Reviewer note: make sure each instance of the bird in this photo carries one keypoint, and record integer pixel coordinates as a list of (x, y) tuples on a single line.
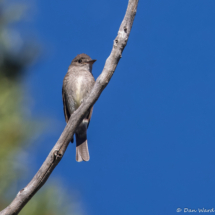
[(77, 84)]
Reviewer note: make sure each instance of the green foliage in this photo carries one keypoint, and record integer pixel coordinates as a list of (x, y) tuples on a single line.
[(50, 201), (15, 128)]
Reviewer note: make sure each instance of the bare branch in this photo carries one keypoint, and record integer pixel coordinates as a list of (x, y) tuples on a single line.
[(59, 149)]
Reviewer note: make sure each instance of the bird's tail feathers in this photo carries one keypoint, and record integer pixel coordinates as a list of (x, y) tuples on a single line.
[(82, 152)]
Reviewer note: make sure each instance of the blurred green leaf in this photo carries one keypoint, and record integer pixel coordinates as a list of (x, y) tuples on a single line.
[(16, 129)]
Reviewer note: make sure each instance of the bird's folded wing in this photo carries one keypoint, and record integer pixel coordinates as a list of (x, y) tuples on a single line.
[(65, 108)]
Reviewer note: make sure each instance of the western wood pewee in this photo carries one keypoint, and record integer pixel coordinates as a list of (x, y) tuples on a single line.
[(77, 84)]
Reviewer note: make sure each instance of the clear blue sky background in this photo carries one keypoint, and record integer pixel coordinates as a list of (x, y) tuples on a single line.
[(152, 133)]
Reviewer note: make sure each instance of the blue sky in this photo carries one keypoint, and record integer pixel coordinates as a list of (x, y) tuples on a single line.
[(152, 134)]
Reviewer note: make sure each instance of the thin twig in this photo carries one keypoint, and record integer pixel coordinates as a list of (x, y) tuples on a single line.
[(59, 149)]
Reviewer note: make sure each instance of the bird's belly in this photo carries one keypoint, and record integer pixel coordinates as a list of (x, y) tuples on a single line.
[(81, 90), (78, 91)]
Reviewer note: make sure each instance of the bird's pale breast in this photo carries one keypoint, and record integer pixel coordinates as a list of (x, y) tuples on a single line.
[(79, 93), (78, 87)]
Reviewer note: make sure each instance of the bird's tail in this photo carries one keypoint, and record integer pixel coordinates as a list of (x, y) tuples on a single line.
[(82, 152)]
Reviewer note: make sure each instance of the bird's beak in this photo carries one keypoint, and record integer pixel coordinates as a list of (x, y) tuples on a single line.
[(91, 62)]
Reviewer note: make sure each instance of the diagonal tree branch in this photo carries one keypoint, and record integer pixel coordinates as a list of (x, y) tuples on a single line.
[(59, 149)]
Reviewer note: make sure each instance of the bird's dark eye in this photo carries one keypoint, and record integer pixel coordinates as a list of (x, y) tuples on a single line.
[(79, 61)]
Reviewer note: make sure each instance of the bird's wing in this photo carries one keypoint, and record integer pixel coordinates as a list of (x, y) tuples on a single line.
[(65, 108)]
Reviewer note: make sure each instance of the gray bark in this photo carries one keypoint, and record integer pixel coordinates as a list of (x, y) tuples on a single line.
[(59, 149)]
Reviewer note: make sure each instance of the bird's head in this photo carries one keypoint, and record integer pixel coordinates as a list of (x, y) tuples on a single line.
[(83, 61)]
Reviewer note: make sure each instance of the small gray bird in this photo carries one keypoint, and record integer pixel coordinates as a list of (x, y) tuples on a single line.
[(77, 84)]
